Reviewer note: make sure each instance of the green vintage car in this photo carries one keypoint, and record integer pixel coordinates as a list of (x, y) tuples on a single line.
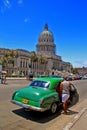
[(40, 95)]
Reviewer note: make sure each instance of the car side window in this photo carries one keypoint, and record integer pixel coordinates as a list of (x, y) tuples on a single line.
[(34, 83)]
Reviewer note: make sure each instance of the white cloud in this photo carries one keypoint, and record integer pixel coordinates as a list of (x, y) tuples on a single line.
[(26, 20), (20, 1), (80, 64), (7, 3), (85, 63)]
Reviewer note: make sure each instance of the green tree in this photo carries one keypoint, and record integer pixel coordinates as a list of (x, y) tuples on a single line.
[(33, 56), (4, 60), (8, 57), (43, 60), (74, 70)]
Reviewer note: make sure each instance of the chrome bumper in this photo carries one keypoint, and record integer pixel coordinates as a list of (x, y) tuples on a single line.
[(28, 106)]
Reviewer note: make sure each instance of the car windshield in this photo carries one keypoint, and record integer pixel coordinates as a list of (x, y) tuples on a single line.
[(42, 84)]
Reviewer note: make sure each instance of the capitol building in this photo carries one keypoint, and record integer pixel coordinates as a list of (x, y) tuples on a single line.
[(45, 48)]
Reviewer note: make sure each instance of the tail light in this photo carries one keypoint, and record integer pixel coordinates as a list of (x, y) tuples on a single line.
[(13, 95), (41, 101)]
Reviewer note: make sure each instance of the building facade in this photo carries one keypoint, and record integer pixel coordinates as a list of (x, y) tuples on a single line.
[(21, 63), (82, 70), (45, 47)]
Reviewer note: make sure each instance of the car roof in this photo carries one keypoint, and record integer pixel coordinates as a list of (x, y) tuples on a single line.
[(50, 79), (53, 81)]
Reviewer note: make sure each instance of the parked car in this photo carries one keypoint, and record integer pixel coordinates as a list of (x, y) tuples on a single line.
[(55, 76), (84, 77), (69, 78), (40, 95)]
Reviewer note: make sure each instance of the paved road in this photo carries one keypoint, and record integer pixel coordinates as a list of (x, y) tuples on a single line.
[(13, 117)]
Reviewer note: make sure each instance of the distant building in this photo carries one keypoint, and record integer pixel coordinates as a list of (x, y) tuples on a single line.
[(45, 47), (0, 68), (82, 70)]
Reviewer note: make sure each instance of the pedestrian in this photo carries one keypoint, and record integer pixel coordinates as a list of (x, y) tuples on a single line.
[(4, 78), (65, 87)]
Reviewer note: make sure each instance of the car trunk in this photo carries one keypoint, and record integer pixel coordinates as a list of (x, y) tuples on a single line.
[(33, 93)]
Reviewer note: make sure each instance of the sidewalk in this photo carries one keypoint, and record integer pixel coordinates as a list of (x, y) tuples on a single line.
[(79, 122)]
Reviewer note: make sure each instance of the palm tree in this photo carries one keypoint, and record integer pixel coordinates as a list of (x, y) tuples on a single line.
[(16, 54), (4, 61), (8, 58), (43, 61), (13, 57), (6, 53), (34, 58)]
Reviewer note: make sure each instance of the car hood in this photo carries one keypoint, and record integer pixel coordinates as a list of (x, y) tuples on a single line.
[(33, 93)]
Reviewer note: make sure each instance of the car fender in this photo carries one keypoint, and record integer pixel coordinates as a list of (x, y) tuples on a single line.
[(49, 99)]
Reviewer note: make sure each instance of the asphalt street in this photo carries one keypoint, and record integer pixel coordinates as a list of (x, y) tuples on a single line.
[(13, 117)]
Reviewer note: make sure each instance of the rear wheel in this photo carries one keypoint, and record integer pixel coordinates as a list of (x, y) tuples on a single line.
[(54, 107)]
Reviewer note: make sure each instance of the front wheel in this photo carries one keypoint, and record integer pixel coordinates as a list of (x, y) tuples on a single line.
[(54, 107)]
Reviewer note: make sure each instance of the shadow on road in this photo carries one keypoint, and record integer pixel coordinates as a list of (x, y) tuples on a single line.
[(41, 117), (70, 112)]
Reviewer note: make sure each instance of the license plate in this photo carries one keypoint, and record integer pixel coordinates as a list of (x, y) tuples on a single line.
[(25, 101)]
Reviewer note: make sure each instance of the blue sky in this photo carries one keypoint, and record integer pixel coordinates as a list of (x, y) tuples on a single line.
[(21, 22)]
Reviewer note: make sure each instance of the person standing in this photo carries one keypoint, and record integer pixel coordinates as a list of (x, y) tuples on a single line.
[(65, 87)]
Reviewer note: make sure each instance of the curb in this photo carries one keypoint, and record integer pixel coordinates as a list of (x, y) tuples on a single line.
[(12, 78), (75, 119)]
